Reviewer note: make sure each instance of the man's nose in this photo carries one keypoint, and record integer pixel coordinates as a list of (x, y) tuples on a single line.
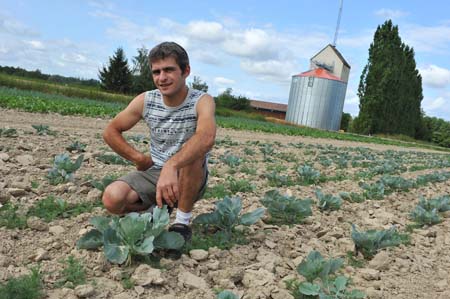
[(162, 76)]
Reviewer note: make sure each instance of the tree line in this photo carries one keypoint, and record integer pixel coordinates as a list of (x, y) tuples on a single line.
[(37, 74), (390, 93)]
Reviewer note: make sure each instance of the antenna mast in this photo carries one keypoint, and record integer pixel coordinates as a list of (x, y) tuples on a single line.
[(338, 23)]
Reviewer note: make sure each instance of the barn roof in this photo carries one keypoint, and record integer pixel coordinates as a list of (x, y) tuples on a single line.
[(268, 106), (319, 73)]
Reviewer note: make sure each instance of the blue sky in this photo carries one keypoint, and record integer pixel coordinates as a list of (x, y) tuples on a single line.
[(254, 47)]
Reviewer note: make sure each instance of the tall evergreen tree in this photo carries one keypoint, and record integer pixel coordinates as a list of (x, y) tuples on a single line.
[(117, 75), (142, 74), (390, 88)]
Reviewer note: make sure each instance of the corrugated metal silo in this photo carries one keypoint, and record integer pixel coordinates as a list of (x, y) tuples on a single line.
[(316, 100)]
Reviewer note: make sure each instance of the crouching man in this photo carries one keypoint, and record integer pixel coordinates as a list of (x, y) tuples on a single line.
[(182, 132)]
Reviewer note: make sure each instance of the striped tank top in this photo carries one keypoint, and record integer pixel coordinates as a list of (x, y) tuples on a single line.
[(170, 127)]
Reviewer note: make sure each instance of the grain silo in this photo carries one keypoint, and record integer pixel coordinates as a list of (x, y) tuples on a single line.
[(316, 98)]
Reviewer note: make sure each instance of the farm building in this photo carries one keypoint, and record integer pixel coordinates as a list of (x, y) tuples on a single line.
[(316, 97), (275, 110), (332, 60)]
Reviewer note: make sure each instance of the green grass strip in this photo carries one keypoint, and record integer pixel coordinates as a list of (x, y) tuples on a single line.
[(33, 101), (62, 89)]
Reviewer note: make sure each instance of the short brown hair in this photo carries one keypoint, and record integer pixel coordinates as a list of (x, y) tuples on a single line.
[(169, 49)]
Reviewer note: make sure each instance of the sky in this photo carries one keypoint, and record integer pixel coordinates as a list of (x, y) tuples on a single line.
[(253, 47)]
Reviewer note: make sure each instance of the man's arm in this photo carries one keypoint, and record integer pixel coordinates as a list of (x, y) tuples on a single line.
[(124, 121), (195, 148)]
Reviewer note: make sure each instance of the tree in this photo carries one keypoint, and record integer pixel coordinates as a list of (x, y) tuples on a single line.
[(346, 119), (390, 88), (199, 84), (227, 100), (117, 75), (142, 74)]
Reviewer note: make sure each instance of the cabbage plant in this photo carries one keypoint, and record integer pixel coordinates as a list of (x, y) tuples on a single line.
[(225, 294), (285, 209), (328, 201), (63, 169), (226, 216), (131, 235), (369, 242), (321, 279)]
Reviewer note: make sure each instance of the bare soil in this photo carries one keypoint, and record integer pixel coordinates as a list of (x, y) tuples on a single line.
[(255, 270)]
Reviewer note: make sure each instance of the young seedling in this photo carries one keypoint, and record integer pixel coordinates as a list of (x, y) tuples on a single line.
[(371, 241), (351, 197), (9, 217), (308, 175), (104, 182), (227, 216), (231, 160), (285, 209), (424, 217), (268, 151), (227, 295), (249, 152), (328, 201), (77, 147), (441, 204), (248, 170), (8, 132), (43, 130), (374, 191), (73, 274), (434, 177), (112, 159), (216, 191), (396, 183), (278, 180), (63, 169), (51, 208), (24, 287), (321, 280), (133, 235), (236, 185)]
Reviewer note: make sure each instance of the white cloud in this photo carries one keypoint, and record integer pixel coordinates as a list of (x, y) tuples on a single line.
[(435, 104), (12, 26), (205, 31), (432, 39), (387, 13), (271, 70), (206, 56), (435, 76), (251, 43), (223, 81), (36, 44)]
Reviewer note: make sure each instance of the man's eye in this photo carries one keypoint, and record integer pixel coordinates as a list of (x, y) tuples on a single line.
[(156, 72)]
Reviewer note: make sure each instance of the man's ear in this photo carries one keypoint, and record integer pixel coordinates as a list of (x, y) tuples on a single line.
[(187, 71)]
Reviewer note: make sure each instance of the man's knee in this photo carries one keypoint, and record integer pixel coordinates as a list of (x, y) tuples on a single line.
[(114, 198)]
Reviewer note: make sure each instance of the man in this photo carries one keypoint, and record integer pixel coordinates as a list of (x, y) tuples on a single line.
[(182, 132)]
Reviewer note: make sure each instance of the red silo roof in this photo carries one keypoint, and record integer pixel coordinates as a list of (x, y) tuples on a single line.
[(319, 73)]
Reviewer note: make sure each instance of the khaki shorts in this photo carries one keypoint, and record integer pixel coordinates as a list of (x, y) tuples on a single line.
[(144, 183)]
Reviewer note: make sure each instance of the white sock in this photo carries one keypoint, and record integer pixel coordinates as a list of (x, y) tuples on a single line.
[(183, 217)]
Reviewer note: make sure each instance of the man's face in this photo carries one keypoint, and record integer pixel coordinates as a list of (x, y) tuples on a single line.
[(168, 77)]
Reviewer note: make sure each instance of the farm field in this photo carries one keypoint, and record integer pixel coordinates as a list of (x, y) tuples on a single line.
[(372, 186)]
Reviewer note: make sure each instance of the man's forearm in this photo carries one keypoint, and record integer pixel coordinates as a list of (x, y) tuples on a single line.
[(195, 148), (116, 141)]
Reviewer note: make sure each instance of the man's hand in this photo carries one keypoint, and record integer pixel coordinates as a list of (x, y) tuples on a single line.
[(144, 163), (167, 186)]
